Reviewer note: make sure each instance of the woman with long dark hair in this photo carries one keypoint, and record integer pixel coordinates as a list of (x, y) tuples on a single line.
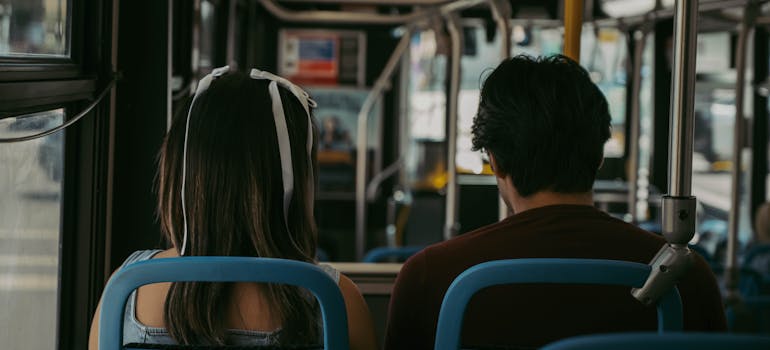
[(236, 177)]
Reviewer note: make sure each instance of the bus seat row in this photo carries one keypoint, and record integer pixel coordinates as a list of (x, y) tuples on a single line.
[(669, 341), (335, 332), (383, 254)]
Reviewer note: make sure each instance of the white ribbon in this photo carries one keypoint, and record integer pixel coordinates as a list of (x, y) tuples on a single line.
[(281, 129)]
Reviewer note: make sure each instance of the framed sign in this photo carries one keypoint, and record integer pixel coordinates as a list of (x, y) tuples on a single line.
[(322, 57)]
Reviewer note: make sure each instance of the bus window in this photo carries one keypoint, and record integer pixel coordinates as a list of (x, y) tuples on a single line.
[(34, 28), (426, 166), (603, 54), (30, 215), (207, 31), (475, 63), (713, 140)]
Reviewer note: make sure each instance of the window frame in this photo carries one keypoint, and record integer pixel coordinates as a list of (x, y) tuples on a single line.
[(36, 83), (43, 67)]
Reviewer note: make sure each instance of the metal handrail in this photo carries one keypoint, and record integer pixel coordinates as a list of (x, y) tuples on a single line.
[(382, 83), (349, 17), (674, 259), (451, 226), (731, 274), (640, 40)]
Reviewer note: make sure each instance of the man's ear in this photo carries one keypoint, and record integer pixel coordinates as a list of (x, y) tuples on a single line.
[(493, 165)]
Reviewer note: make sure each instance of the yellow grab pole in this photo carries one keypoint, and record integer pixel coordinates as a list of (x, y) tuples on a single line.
[(573, 24)]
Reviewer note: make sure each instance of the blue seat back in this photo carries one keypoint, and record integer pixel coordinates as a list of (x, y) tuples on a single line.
[(668, 341), (382, 254), (222, 269), (751, 315), (749, 281), (758, 258), (550, 271)]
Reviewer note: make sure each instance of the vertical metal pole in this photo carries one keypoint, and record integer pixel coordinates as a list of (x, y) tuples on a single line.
[(674, 259), (640, 38), (382, 83), (573, 25), (682, 98), (403, 115), (731, 275), (501, 11), (451, 226)]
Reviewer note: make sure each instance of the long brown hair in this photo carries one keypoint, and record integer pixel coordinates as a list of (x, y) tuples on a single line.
[(234, 201)]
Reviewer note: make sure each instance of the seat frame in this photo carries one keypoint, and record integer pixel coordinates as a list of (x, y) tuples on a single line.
[(223, 269), (546, 271)]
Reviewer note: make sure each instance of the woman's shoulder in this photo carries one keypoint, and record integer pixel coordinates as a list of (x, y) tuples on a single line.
[(142, 255), (331, 271)]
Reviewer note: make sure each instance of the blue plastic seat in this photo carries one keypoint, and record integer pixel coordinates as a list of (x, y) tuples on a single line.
[(551, 271), (382, 254), (668, 341), (749, 281), (223, 269), (758, 258)]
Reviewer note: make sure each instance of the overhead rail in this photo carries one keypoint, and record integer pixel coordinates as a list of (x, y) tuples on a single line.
[(678, 207), (373, 2), (351, 17), (731, 273)]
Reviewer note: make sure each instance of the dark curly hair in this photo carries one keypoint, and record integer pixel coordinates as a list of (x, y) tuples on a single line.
[(545, 122)]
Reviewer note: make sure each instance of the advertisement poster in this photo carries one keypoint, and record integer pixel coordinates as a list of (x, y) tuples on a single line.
[(337, 115), (322, 57)]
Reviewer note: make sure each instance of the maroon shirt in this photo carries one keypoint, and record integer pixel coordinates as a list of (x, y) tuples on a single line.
[(534, 315)]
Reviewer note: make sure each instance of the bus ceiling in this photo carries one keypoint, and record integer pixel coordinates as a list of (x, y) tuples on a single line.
[(555, 13)]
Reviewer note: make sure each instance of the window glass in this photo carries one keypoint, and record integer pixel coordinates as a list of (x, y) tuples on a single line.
[(30, 208), (603, 54), (34, 28), (426, 165), (713, 142), (205, 49)]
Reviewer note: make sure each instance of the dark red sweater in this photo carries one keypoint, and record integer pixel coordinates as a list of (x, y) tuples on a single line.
[(534, 315)]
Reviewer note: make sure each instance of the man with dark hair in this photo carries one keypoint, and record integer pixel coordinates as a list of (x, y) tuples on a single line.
[(543, 124)]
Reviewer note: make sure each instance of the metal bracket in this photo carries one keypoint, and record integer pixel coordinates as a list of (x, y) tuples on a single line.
[(678, 221), (668, 267), (674, 259)]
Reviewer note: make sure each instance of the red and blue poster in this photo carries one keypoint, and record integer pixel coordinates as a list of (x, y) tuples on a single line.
[(309, 57)]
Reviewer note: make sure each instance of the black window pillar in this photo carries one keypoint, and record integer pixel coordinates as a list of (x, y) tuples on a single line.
[(142, 107)]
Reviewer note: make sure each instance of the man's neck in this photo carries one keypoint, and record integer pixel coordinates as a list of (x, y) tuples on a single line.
[(542, 199)]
